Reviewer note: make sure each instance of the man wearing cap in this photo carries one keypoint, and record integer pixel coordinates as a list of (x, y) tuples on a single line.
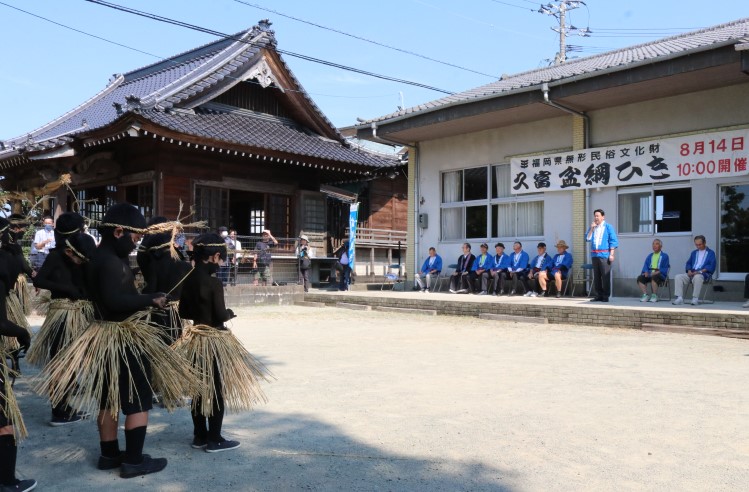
[(560, 268), (518, 266), (498, 270), (539, 267), (429, 272), (604, 242), (304, 255), (263, 259), (481, 271)]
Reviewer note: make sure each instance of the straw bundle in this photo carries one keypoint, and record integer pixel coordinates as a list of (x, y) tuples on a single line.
[(240, 373), (40, 303), (15, 315), (65, 322), (99, 355), (22, 289), (8, 403)]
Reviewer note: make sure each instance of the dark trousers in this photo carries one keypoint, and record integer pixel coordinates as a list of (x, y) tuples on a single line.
[(485, 279), (62, 409), (345, 278), (500, 277), (460, 281), (304, 278), (210, 427), (746, 287), (602, 277), (475, 278), (517, 277)]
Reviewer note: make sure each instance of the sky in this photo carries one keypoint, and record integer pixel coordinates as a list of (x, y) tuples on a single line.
[(47, 70)]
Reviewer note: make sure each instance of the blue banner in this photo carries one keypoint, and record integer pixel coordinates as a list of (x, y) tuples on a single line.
[(353, 219)]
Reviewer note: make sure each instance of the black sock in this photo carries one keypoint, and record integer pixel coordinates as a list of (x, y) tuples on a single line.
[(110, 449), (134, 440), (199, 427), (8, 454)]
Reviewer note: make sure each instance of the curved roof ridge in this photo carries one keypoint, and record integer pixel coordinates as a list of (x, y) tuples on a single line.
[(113, 84)]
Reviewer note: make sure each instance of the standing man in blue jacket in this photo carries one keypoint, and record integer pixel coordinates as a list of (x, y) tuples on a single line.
[(429, 272), (700, 268), (499, 270), (518, 265), (604, 242), (654, 271)]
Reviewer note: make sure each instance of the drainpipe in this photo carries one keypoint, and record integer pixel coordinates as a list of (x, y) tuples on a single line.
[(586, 145), (417, 163)]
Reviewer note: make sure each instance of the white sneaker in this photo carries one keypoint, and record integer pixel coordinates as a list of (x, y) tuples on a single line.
[(678, 301), (654, 298), (452, 291), (695, 301), (534, 294), (644, 298), (745, 305)]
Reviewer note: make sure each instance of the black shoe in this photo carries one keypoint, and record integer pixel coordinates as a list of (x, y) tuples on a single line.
[(217, 447), (604, 299), (512, 292), (20, 486), (72, 419), (559, 295), (148, 465), (199, 442), (595, 299), (110, 463)]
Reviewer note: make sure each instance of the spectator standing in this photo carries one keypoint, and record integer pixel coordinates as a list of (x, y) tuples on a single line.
[(604, 242), (654, 271), (429, 272), (44, 241), (345, 270), (263, 260), (304, 255), (700, 268), (224, 268)]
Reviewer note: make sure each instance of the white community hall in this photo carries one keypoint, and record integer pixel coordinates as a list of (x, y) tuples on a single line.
[(656, 135)]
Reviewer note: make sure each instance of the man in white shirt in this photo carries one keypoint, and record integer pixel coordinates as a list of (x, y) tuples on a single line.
[(44, 241)]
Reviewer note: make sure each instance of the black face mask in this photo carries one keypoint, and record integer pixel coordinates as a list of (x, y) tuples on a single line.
[(124, 245), (17, 236), (212, 268)]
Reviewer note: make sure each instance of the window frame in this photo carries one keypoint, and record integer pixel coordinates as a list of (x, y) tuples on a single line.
[(728, 276), (513, 200), (652, 189)]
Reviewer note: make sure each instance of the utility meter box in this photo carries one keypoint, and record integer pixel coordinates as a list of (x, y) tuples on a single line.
[(423, 221)]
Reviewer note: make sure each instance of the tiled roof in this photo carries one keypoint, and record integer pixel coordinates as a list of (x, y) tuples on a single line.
[(179, 82), (264, 133), (731, 33)]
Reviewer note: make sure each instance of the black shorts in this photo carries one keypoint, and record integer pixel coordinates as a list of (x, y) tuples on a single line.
[(136, 394), (659, 279)]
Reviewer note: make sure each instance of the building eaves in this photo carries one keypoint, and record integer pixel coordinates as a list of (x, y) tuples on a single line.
[(732, 33)]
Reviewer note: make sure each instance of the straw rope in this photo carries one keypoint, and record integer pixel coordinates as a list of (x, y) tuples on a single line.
[(22, 289), (97, 356), (65, 321), (8, 402), (15, 314), (239, 372)]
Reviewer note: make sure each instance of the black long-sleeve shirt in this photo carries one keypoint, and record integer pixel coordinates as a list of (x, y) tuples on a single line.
[(61, 277), (9, 270), (162, 273), (111, 286), (202, 299)]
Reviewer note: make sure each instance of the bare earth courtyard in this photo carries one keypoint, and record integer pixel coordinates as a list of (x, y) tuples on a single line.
[(382, 401)]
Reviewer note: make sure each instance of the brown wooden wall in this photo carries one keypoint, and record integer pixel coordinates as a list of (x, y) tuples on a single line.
[(388, 204)]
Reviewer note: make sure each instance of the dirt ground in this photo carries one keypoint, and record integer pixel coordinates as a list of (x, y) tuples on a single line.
[(381, 401)]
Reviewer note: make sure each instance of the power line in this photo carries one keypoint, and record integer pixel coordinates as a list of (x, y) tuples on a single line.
[(205, 30), (516, 6), (360, 38), (164, 59)]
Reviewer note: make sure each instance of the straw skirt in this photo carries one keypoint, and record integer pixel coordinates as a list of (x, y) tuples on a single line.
[(66, 320)]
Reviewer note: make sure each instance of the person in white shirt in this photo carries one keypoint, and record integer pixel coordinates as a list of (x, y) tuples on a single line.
[(44, 241)]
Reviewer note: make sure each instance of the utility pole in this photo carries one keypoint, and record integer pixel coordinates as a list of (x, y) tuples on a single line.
[(559, 11)]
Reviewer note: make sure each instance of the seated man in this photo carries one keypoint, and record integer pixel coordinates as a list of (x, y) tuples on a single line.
[(499, 268), (700, 267), (480, 270), (539, 267), (518, 265), (459, 278), (429, 272), (654, 271), (560, 268)]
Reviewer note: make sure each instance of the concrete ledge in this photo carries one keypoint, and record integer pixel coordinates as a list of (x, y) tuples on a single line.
[(427, 312), (694, 330), (355, 307), (514, 319), (310, 304)]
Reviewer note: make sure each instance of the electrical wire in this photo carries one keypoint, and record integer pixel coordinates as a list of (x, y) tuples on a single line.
[(312, 59), (516, 6), (164, 59), (366, 40)]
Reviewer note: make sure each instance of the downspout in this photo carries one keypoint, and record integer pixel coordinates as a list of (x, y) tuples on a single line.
[(586, 144), (417, 162)]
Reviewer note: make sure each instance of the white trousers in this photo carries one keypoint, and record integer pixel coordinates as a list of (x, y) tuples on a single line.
[(682, 280), (420, 280)]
